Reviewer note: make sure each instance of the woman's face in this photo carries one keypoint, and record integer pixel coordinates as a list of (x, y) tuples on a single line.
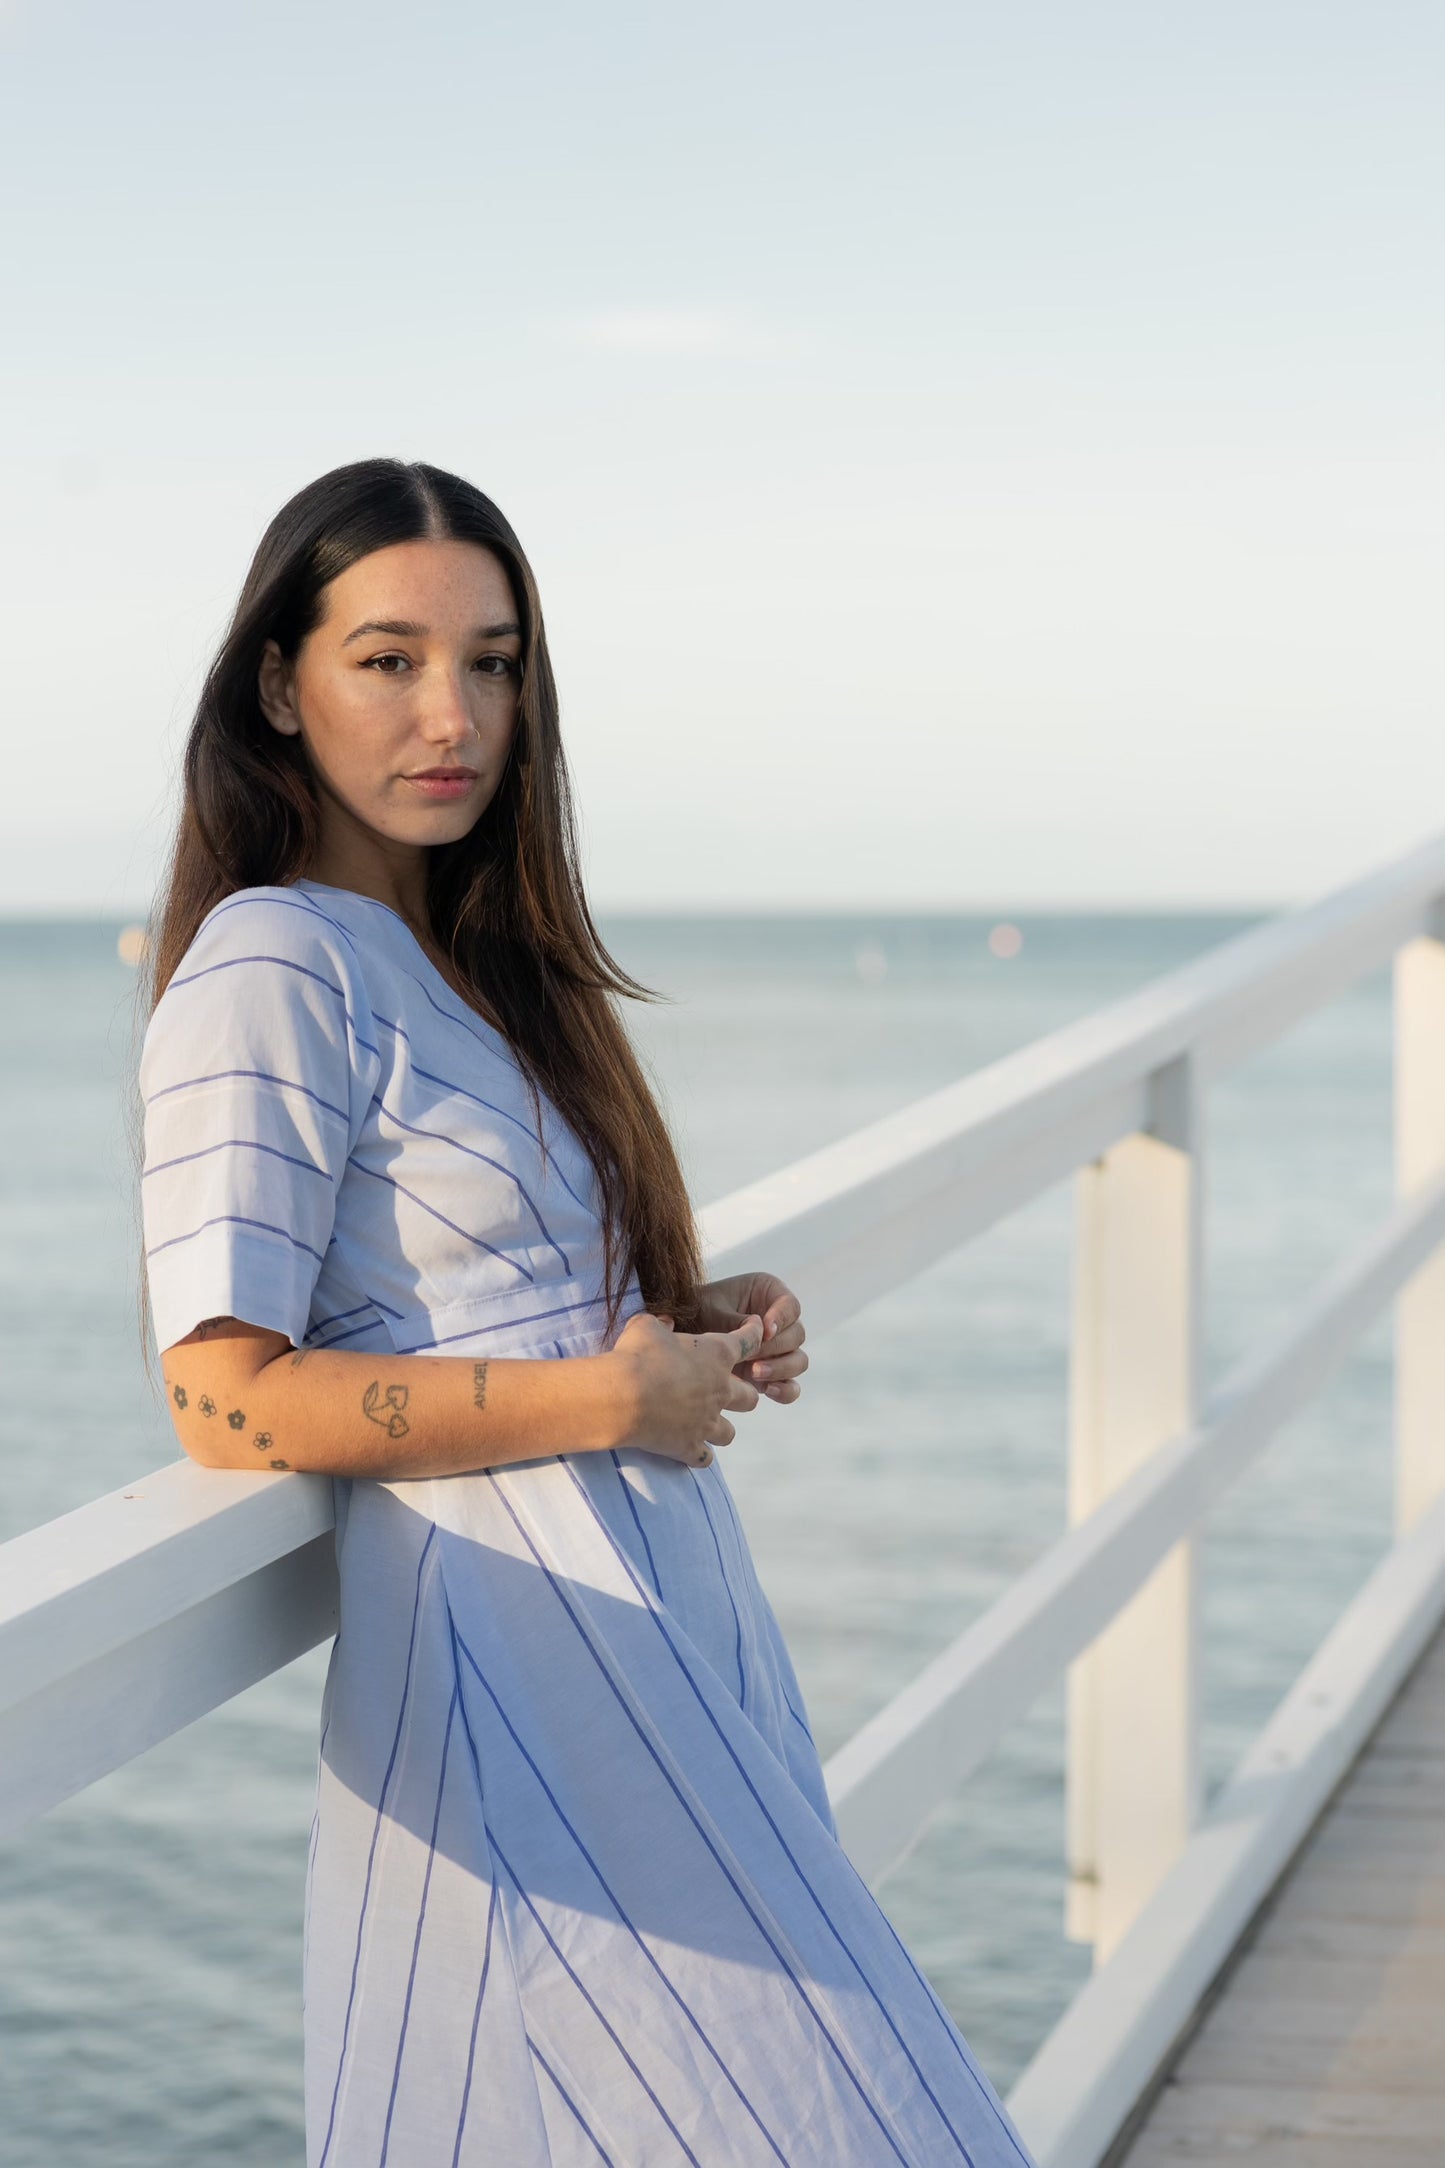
[(405, 696)]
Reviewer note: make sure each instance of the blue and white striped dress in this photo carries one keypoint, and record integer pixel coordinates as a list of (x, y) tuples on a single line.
[(574, 1894)]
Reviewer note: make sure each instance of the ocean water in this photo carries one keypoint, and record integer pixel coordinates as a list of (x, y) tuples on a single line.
[(150, 1929)]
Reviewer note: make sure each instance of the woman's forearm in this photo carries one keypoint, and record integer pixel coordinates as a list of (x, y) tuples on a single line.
[(237, 1404)]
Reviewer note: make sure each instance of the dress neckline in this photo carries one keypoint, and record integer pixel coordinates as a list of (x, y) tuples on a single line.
[(329, 888)]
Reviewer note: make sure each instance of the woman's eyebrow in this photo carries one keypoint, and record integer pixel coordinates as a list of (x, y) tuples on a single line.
[(405, 628)]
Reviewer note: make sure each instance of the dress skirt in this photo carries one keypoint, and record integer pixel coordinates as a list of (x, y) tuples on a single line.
[(575, 1895)]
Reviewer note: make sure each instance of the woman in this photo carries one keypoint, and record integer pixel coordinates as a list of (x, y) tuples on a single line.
[(413, 1221)]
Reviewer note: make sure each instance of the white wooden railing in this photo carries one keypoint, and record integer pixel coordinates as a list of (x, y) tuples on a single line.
[(125, 1620)]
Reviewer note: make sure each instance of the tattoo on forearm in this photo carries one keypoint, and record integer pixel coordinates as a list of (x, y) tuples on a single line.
[(479, 1385), (385, 1408), (262, 1441), (206, 1405), (237, 1419), (207, 1326), (280, 1464), (178, 1394)]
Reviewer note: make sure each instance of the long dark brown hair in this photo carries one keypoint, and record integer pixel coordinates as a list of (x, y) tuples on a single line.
[(505, 901)]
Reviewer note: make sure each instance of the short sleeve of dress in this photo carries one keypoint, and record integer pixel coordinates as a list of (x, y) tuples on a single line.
[(257, 1069)]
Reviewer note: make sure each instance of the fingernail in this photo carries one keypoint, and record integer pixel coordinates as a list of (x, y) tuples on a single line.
[(762, 1370)]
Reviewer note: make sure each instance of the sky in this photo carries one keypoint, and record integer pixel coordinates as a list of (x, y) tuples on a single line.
[(973, 457)]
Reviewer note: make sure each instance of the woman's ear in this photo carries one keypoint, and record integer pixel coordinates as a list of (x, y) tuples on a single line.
[(274, 690)]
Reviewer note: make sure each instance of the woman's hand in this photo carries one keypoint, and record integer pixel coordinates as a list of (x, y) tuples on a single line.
[(780, 1362), (676, 1385)]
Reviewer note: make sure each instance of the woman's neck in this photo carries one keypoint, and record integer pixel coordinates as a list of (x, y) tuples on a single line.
[(402, 888)]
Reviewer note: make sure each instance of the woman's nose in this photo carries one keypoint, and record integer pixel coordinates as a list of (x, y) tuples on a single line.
[(446, 711)]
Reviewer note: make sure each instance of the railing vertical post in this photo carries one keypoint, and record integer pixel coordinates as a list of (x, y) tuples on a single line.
[(1419, 1158), (1133, 1781)]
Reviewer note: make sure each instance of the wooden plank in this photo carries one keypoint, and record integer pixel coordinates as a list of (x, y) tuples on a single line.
[(1326, 2044), (1214, 2110), (1400, 1783), (1122, 2028), (1288, 2152), (1373, 1891), (1417, 1728), (1305, 1933), (1403, 2057), (1265, 1983), (1373, 1833)]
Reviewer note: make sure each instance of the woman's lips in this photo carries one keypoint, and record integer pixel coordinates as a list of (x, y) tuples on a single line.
[(454, 783)]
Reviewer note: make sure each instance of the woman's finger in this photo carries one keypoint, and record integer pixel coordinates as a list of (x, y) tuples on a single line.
[(767, 1369), (784, 1343), (784, 1393), (779, 1316), (787, 1343)]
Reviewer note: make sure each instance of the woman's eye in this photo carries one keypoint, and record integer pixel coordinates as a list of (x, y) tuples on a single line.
[(498, 666), (379, 662)]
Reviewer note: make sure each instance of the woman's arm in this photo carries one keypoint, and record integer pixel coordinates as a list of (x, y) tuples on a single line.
[(243, 1397)]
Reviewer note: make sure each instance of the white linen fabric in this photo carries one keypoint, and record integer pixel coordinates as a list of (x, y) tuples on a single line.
[(574, 1893)]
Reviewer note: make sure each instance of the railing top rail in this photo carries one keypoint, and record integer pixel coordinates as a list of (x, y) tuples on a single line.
[(1216, 1010)]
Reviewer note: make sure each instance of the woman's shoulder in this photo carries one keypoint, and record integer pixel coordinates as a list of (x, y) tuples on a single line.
[(267, 964), (294, 924)]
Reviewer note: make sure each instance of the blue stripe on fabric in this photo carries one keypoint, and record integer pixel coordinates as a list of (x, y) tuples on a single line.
[(637, 1520), (307, 904), (447, 1084), (783, 1844), (727, 1873), (613, 1898), (338, 1317), (235, 1219), (375, 1834), (229, 963), (420, 1923), (474, 1332), (727, 1584), (796, 1714), (352, 1332), (245, 1144), (257, 1076), (487, 1160), (477, 2007), (613, 2035), (315, 1828), (954, 2036), (742, 1543), (476, 1240), (586, 2127), (492, 1041)]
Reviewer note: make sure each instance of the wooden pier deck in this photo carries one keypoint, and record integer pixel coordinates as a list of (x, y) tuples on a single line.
[(1323, 2045)]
